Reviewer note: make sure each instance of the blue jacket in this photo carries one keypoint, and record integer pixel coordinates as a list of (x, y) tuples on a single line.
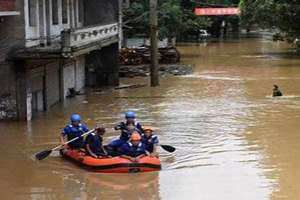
[(75, 131), (125, 133), (95, 143), (129, 149), (149, 142)]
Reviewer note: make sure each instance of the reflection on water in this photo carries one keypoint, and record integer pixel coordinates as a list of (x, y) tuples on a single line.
[(110, 186), (233, 140)]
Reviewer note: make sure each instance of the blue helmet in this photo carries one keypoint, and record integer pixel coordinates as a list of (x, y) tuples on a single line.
[(130, 115), (75, 118)]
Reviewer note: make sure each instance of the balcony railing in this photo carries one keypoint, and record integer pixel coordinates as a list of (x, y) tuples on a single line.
[(86, 36)]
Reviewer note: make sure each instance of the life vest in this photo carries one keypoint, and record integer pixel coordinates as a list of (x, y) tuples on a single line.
[(135, 151), (72, 132), (125, 134), (149, 142)]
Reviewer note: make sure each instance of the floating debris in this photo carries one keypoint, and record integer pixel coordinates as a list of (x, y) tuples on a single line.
[(130, 86), (142, 55), (131, 71)]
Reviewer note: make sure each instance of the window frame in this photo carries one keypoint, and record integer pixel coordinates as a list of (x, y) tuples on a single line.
[(55, 16), (32, 13), (64, 7)]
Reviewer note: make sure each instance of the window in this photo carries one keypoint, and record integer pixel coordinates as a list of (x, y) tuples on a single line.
[(80, 10), (64, 5), (32, 12), (54, 12)]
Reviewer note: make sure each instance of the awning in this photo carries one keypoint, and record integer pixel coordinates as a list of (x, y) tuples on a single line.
[(7, 8)]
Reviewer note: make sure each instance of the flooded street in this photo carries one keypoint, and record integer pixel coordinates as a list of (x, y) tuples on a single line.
[(234, 141)]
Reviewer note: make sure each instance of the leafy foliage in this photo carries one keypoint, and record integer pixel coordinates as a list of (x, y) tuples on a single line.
[(172, 18), (279, 15), (136, 18), (175, 17)]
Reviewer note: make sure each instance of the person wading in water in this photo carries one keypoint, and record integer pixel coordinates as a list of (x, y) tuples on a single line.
[(276, 91)]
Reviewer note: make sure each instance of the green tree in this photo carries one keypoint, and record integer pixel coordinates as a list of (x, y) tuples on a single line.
[(173, 19), (136, 18), (247, 8), (191, 24), (176, 17), (170, 19), (278, 15)]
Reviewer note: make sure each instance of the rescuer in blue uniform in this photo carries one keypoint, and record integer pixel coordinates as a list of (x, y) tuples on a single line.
[(126, 130), (133, 149), (94, 143), (73, 130), (150, 140)]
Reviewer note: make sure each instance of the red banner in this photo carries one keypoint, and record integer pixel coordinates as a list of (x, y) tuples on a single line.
[(7, 5), (216, 11)]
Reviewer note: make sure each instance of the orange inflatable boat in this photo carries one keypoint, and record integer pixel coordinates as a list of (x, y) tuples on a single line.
[(112, 165)]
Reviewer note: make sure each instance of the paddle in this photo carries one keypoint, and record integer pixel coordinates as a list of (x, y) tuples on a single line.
[(168, 148), (43, 154)]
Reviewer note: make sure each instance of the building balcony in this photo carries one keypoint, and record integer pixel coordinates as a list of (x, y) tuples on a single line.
[(72, 42), (78, 41)]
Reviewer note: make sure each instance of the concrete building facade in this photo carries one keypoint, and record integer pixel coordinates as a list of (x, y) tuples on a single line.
[(49, 48)]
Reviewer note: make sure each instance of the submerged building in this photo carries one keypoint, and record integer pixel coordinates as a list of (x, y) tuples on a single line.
[(49, 48)]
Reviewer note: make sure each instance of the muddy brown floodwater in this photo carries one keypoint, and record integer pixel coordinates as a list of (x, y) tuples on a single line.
[(234, 141)]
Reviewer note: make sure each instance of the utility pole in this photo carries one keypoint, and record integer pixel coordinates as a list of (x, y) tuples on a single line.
[(121, 37), (153, 43)]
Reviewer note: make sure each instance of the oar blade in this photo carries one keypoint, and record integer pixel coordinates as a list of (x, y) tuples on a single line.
[(43, 154), (168, 148)]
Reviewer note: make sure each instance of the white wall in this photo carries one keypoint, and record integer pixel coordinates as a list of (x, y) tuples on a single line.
[(57, 28), (52, 83), (69, 77), (77, 10), (68, 14), (80, 73), (40, 101), (32, 34), (74, 75), (43, 12)]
